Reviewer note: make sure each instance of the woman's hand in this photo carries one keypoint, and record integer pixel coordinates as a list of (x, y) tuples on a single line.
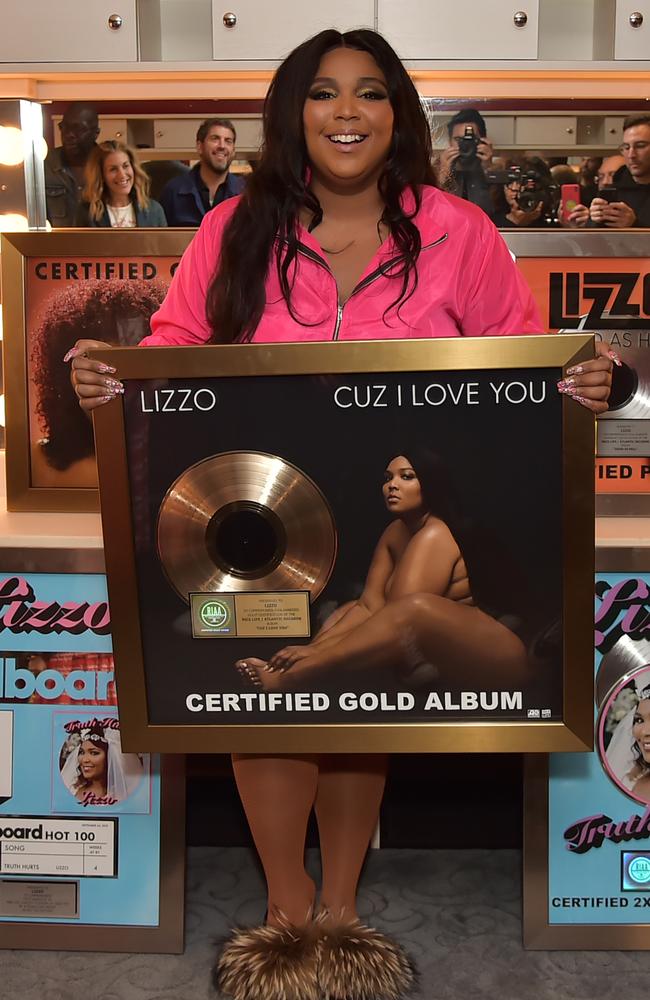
[(93, 381), (590, 382)]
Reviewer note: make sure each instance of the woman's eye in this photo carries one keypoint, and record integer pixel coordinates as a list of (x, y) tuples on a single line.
[(321, 95), (373, 95)]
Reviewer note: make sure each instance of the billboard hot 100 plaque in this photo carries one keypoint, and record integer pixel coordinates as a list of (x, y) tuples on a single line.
[(350, 547)]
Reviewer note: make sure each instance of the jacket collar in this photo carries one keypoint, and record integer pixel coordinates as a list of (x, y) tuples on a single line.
[(425, 218)]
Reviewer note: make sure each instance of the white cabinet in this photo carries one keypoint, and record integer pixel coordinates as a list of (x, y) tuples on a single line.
[(109, 128), (180, 133), (434, 29), (68, 31), (248, 29), (632, 29), (501, 130), (613, 132), (537, 131), (175, 133)]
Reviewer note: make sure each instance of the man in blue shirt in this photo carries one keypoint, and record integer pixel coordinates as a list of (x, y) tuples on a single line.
[(187, 198)]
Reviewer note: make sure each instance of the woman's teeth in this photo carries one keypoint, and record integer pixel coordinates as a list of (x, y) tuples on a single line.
[(347, 138)]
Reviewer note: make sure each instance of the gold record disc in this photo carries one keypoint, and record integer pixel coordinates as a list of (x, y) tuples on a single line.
[(245, 521)]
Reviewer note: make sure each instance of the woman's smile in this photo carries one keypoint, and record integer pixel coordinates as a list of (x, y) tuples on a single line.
[(348, 118)]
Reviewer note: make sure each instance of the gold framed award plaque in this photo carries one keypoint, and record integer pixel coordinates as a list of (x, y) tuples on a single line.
[(350, 547), (60, 287)]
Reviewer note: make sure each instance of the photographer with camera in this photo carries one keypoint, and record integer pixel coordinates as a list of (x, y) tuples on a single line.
[(525, 194), (468, 156)]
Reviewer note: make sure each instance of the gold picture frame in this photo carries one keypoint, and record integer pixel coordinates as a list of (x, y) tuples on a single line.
[(136, 367), (29, 489)]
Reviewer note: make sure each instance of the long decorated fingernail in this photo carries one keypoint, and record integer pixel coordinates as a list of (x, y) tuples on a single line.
[(581, 399), (615, 358), (72, 353), (567, 381), (113, 385), (106, 399), (575, 370), (107, 369), (569, 390)]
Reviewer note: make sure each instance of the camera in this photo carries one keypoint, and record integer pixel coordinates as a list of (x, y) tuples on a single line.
[(467, 146), (534, 187)]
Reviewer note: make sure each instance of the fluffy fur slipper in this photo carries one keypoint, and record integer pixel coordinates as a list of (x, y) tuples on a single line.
[(357, 962), (269, 963)]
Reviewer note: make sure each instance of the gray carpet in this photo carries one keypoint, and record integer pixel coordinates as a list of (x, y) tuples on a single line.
[(456, 912)]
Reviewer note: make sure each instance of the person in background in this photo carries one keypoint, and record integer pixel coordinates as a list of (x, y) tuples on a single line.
[(562, 173), (589, 168), (629, 205), (116, 194), (462, 171), (186, 199), (531, 211), (65, 165), (607, 170), (609, 167), (161, 172)]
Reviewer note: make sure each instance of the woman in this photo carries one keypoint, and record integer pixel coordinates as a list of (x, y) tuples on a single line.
[(341, 233), (92, 766), (639, 774), (417, 612), (97, 772), (116, 194), (628, 752)]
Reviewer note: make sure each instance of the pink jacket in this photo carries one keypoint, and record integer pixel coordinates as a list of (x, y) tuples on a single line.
[(468, 285)]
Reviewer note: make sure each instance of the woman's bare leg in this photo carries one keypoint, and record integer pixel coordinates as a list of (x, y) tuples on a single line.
[(456, 641), (278, 793), (350, 790)]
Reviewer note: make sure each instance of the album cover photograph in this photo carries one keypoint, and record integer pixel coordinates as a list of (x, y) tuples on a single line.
[(349, 549)]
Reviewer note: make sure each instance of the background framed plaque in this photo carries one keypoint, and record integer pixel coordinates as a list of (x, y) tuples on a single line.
[(603, 287), (85, 865), (58, 287), (587, 816), (217, 452)]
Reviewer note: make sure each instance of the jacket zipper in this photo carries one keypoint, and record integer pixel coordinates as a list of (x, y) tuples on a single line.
[(368, 280), (377, 273)]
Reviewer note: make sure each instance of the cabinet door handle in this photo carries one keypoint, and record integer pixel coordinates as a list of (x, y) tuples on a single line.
[(229, 19), (520, 19), (115, 22), (569, 130), (159, 135), (636, 19)]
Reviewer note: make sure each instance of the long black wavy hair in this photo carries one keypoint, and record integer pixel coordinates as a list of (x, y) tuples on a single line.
[(114, 311), (278, 189), (497, 583)]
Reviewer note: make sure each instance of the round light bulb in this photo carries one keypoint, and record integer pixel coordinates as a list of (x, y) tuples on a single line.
[(12, 222), (12, 151)]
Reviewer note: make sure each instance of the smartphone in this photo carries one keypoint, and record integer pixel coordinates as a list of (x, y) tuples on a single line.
[(608, 193), (569, 199)]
